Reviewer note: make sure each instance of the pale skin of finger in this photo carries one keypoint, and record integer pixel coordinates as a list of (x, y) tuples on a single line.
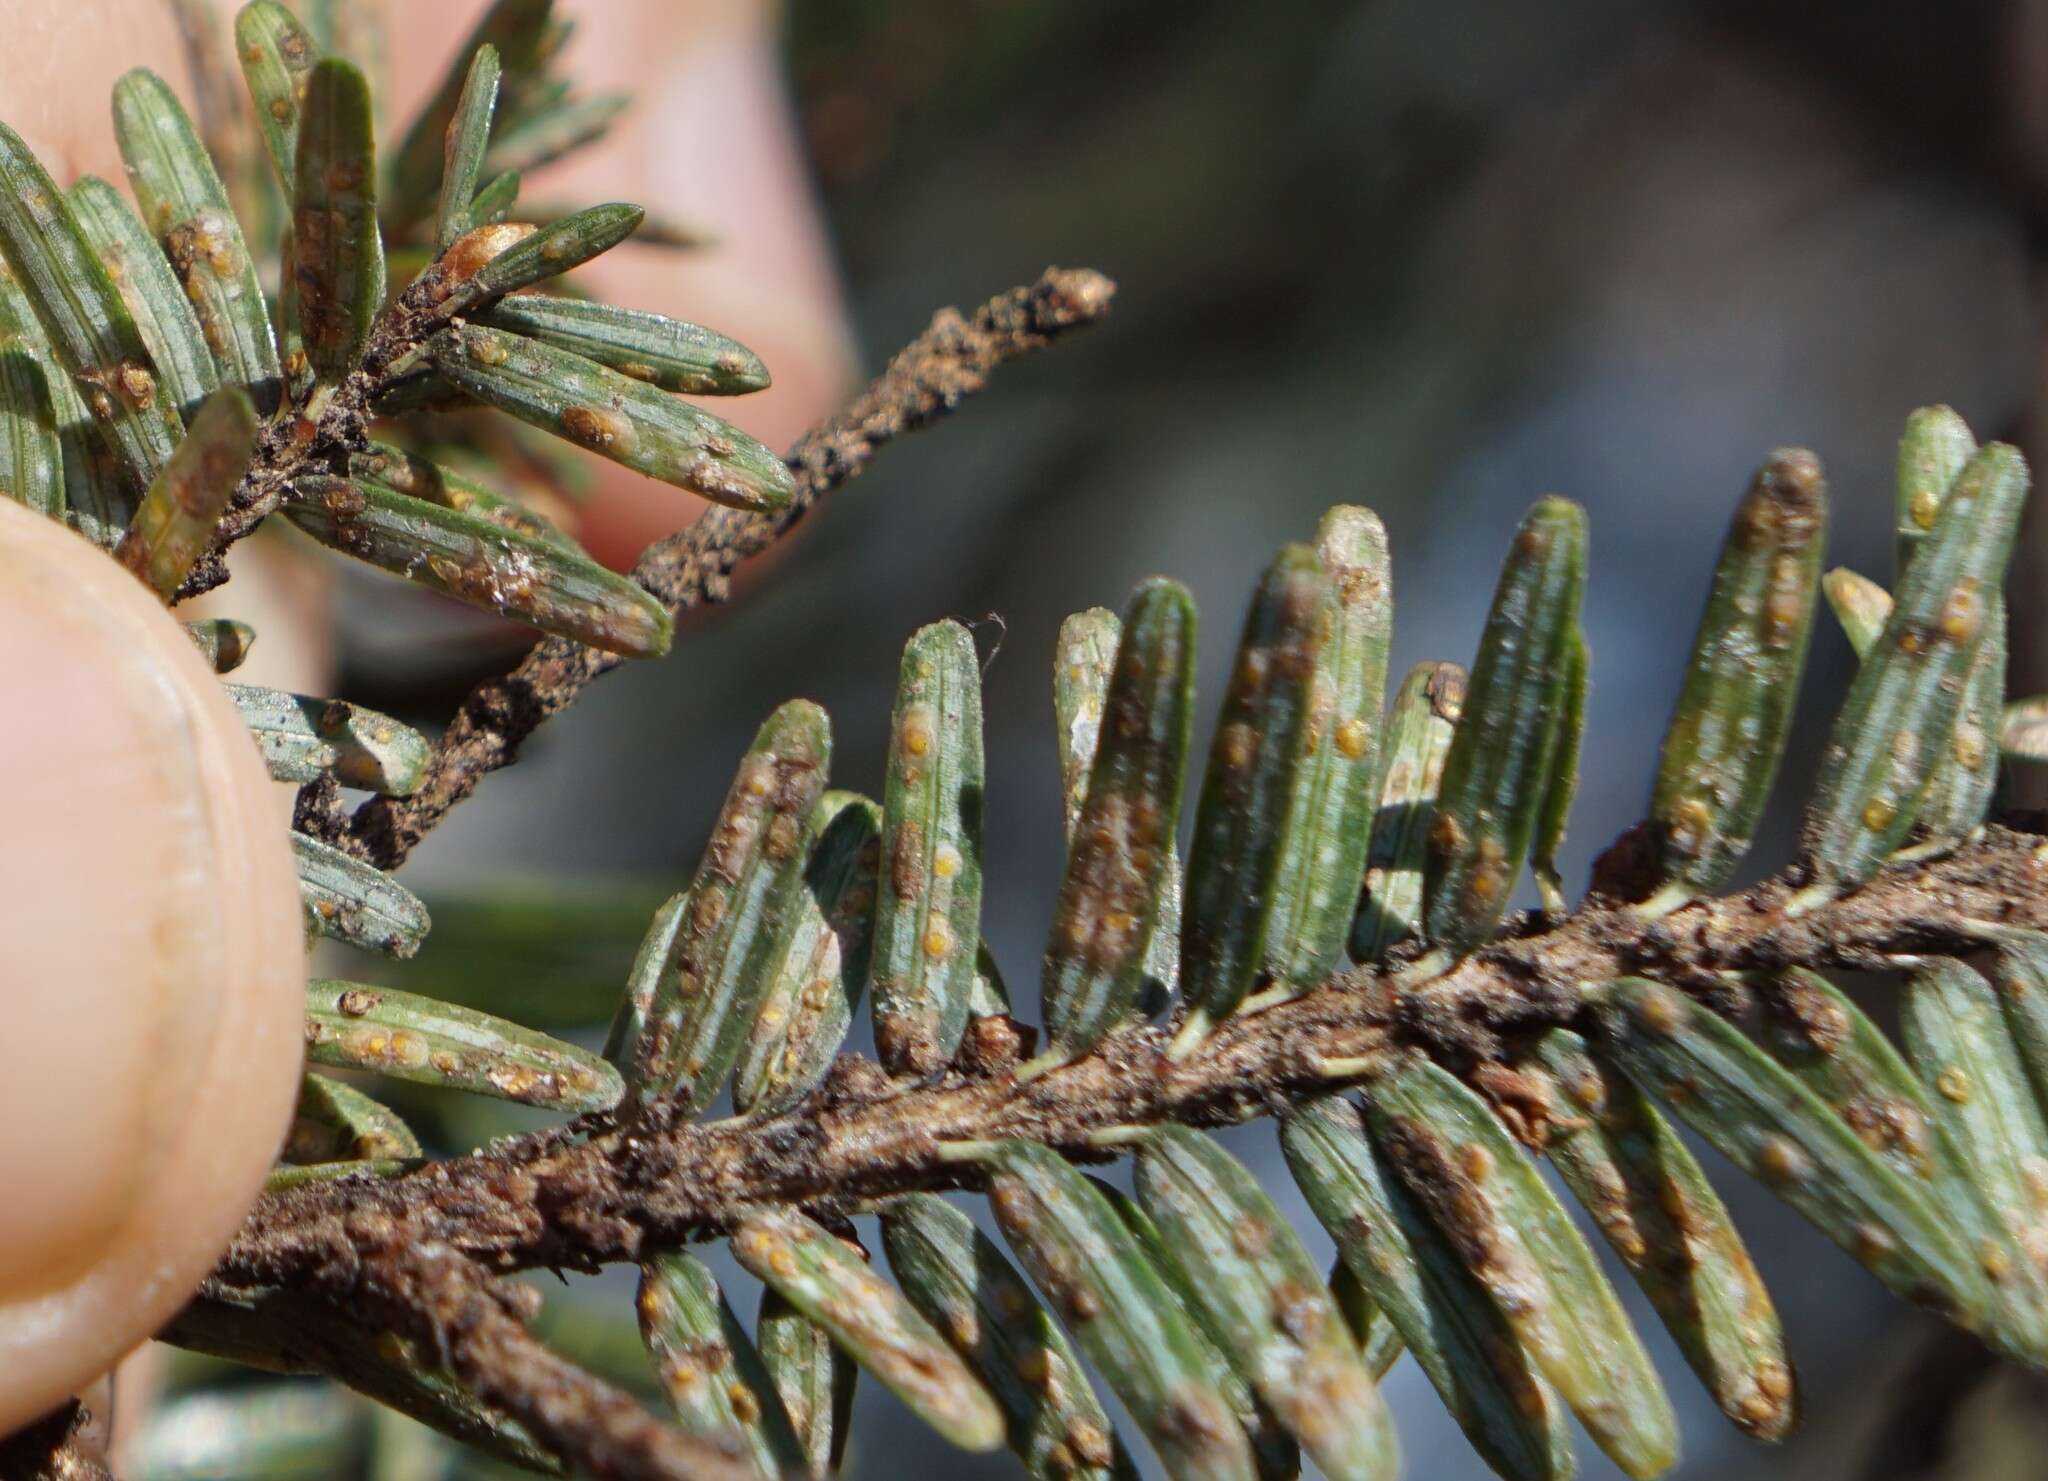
[(151, 959), (59, 67)]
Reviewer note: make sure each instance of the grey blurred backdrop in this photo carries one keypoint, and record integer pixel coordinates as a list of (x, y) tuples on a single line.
[(1437, 258)]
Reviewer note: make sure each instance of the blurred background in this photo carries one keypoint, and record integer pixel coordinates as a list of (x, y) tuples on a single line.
[(1438, 259)]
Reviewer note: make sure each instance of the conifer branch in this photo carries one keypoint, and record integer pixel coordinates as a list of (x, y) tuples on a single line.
[(949, 362), (164, 410), (550, 1201)]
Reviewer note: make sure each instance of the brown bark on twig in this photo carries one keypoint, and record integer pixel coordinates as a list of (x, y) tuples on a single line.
[(445, 1302), (621, 1194), (931, 376), (291, 446), (54, 1448)]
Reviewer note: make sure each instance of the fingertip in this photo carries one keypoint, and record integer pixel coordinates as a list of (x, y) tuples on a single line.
[(151, 950)]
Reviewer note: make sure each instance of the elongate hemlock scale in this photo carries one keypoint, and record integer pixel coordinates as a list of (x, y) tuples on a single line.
[(163, 314), (1414, 1274), (928, 911), (518, 255), (1420, 724), (1765, 1121), (818, 965), (1330, 819), (1122, 843), (1935, 449), (186, 208), (1900, 713), (682, 1026), (1961, 1044), (1257, 1288), (302, 739), (825, 1279), (1830, 1046), (138, 371), (708, 1369), (1459, 1163), (356, 1026), (1261, 735), (1275, 1455), (634, 424), (1958, 795), (954, 1275), (276, 53), (1933, 453), (1118, 1307), (1652, 1202), (814, 1378), (1493, 780), (1727, 732), (94, 340), (479, 561)]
